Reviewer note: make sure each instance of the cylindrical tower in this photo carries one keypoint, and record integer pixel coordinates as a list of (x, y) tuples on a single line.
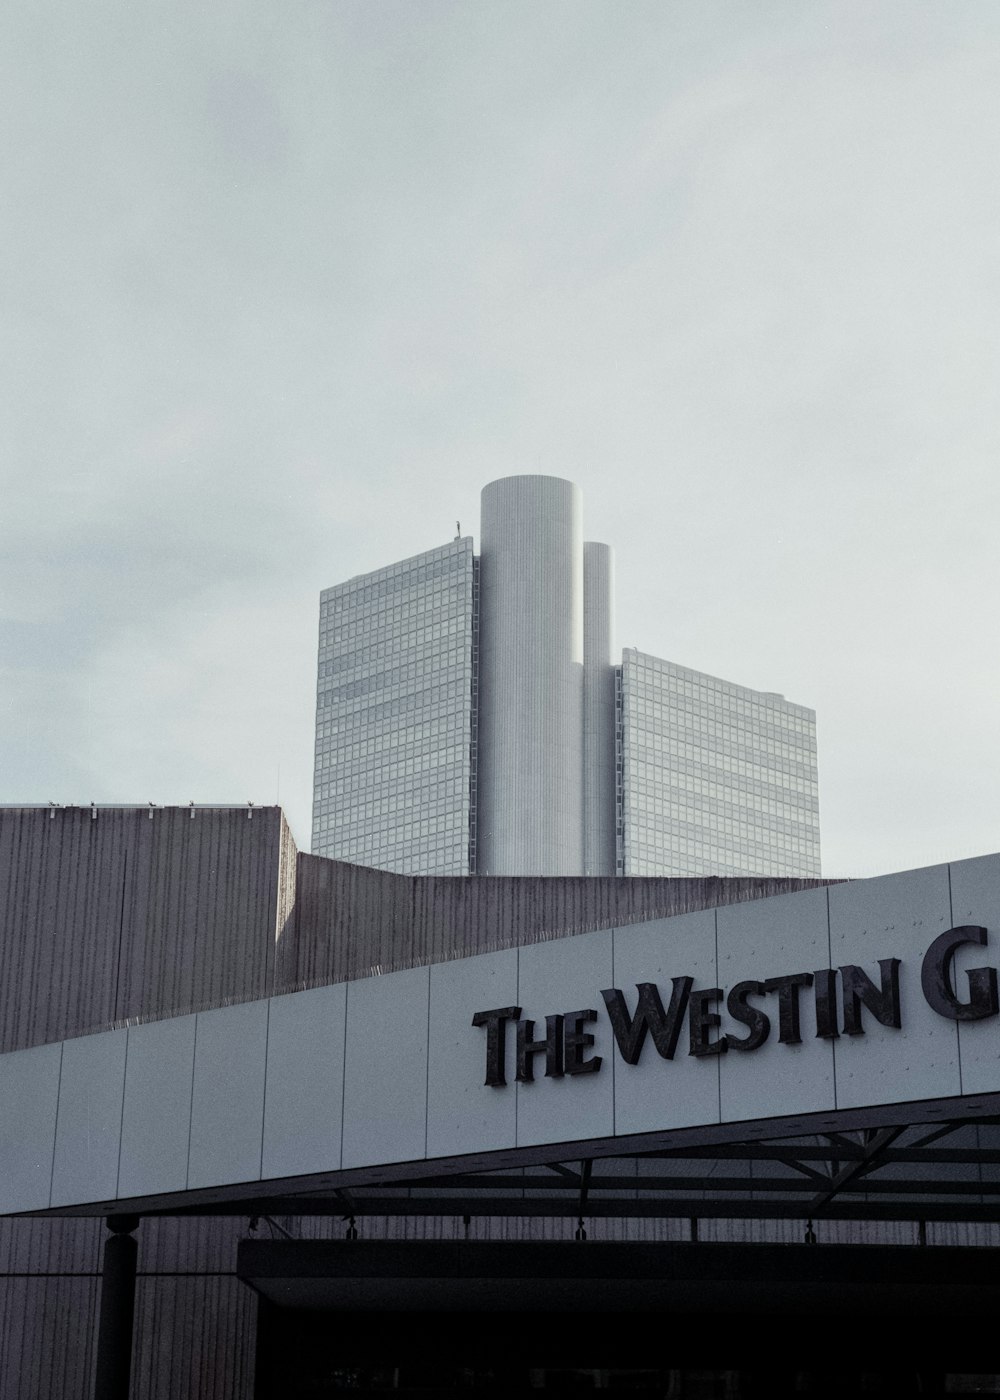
[(530, 809), (598, 710)]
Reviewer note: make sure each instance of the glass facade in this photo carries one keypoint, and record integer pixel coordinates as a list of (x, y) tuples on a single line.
[(712, 778), (394, 731)]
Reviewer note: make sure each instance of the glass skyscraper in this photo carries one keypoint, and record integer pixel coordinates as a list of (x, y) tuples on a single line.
[(715, 779), (535, 754), (394, 716)]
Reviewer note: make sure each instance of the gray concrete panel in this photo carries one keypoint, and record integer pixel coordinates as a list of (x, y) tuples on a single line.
[(117, 913), (29, 1089), (227, 1106), (894, 916), (530, 815), (199, 910), (463, 1115), (156, 1116), (975, 899), (88, 1128), (350, 920), (114, 913), (303, 1105), (658, 1092), (558, 977), (774, 938), (385, 1082)]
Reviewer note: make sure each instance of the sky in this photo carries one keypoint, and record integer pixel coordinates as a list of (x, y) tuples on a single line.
[(285, 283)]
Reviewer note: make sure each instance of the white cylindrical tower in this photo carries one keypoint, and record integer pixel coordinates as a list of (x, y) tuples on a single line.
[(530, 801), (598, 710)]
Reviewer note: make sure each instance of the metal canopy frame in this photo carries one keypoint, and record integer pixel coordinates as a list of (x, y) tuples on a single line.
[(874, 1171), (923, 1167), (922, 1172)]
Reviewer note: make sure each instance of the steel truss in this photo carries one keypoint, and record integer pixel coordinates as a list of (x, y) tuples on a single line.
[(948, 1171)]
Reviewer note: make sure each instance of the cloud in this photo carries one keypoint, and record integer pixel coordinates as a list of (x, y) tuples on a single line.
[(281, 296)]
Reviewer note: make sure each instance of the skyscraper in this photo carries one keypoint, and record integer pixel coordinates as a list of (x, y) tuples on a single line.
[(395, 739), (715, 779), (471, 720)]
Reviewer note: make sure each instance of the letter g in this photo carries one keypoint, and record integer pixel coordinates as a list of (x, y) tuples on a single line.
[(936, 977)]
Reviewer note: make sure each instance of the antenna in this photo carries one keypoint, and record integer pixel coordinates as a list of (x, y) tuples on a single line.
[(458, 528)]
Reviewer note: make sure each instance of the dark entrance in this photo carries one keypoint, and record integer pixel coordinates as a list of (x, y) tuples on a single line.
[(844, 1310), (664, 1320)]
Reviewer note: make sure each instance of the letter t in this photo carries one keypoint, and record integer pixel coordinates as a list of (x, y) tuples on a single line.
[(496, 1041)]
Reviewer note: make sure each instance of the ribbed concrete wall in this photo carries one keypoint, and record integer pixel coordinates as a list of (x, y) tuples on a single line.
[(131, 911), (131, 915), (531, 678), (598, 710), (350, 922), (105, 916)]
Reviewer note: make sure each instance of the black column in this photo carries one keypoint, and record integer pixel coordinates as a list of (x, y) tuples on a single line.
[(114, 1339), (263, 1382)]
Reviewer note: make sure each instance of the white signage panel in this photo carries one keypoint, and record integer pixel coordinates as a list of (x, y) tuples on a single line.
[(766, 941), (304, 1094), (227, 1097), (894, 916), (91, 1086), (459, 1111), (653, 953), (156, 1118), (975, 900), (572, 1105), (29, 1096), (385, 1069)]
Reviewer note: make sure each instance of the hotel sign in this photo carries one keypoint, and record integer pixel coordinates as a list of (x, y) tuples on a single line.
[(751, 1004), (809, 1010)]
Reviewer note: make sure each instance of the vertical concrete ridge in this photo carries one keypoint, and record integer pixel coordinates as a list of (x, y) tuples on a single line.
[(181, 907), (531, 678), (352, 922)]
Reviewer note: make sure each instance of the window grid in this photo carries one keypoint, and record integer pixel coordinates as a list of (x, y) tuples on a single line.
[(713, 778), (393, 778)]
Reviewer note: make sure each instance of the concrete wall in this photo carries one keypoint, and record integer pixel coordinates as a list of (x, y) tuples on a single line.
[(127, 917), (106, 917), (350, 922), (390, 1069)]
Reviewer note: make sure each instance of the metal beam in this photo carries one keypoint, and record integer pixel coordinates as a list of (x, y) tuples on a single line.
[(742, 1185), (561, 1170), (847, 1174), (642, 1209)]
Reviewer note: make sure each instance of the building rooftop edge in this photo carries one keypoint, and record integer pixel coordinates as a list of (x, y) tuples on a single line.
[(734, 685), (530, 476), (397, 564)]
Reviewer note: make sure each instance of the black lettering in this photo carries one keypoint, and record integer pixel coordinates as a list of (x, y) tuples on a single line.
[(664, 1026), (788, 1004), (750, 1016), (825, 991), (701, 1021), (938, 984), (496, 1041), (860, 990), (551, 1047), (575, 1041)]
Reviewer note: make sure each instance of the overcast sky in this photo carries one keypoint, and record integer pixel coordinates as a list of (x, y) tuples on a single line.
[(286, 282)]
